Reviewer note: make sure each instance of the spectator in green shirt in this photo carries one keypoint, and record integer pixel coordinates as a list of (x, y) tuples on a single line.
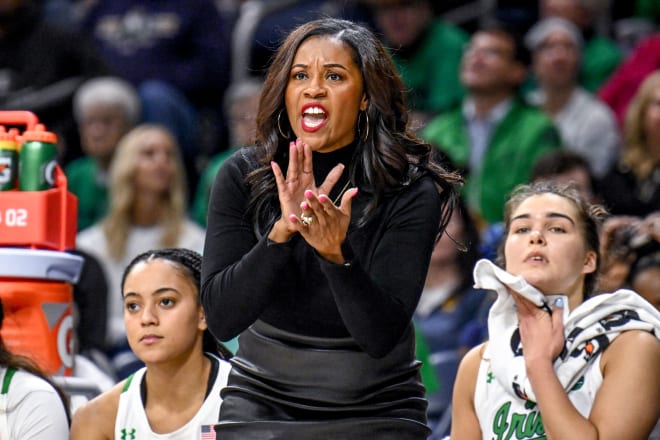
[(493, 137), (426, 51)]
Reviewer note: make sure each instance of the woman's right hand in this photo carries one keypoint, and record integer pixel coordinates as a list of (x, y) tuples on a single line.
[(541, 333), (291, 188)]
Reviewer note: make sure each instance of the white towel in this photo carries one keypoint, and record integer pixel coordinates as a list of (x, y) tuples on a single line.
[(588, 329)]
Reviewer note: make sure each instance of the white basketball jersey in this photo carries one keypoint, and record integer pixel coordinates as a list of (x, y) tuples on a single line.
[(503, 415), (132, 423)]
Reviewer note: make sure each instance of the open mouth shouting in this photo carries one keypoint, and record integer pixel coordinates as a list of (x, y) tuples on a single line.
[(314, 116)]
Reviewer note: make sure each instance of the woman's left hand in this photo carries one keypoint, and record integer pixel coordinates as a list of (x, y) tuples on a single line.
[(541, 334), (291, 188), (322, 224), (327, 224)]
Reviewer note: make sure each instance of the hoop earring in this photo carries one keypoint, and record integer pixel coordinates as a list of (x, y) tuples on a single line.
[(279, 127), (366, 130)]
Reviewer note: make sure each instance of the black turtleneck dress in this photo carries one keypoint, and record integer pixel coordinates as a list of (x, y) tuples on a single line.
[(325, 350)]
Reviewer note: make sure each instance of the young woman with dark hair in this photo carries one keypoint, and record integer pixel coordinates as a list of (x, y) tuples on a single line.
[(178, 390)]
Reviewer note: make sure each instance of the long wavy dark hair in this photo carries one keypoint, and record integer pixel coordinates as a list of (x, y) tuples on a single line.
[(388, 155), (189, 263), (22, 363)]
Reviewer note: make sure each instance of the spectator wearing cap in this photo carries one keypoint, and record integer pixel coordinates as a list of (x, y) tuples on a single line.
[(586, 125)]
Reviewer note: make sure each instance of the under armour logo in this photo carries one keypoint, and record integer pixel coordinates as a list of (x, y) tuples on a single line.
[(126, 435)]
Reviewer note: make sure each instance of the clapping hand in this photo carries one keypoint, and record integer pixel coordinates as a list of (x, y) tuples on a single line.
[(307, 209)]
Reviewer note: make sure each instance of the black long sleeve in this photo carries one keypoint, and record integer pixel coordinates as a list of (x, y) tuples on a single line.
[(291, 287)]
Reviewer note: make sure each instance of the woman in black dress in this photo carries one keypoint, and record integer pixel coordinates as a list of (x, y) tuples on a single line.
[(318, 242)]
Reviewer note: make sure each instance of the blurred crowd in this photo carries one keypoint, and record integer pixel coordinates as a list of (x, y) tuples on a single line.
[(149, 98)]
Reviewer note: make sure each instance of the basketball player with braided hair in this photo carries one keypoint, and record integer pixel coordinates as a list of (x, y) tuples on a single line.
[(178, 390)]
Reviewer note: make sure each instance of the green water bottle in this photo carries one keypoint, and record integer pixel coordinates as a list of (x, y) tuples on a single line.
[(8, 159), (37, 160)]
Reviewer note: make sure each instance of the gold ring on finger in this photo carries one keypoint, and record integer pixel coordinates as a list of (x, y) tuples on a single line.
[(306, 219)]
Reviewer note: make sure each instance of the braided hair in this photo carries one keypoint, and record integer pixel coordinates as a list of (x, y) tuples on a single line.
[(189, 263)]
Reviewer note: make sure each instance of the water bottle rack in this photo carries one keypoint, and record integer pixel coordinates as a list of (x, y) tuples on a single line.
[(37, 219)]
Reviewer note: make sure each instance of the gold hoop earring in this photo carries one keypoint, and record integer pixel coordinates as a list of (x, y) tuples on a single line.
[(279, 127), (366, 130)]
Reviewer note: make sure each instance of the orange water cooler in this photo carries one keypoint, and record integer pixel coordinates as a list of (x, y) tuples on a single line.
[(36, 273), (36, 292)]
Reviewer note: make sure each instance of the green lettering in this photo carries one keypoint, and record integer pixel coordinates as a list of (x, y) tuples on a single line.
[(499, 422), (527, 425), (530, 424), (517, 422)]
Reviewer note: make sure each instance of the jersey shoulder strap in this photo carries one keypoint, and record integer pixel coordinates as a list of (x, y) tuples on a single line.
[(127, 384), (9, 374)]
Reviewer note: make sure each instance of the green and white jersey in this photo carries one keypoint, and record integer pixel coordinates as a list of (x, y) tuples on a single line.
[(505, 416), (30, 408), (132, 423)]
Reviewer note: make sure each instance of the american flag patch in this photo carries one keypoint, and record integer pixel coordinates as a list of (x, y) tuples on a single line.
[(208, 432)]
